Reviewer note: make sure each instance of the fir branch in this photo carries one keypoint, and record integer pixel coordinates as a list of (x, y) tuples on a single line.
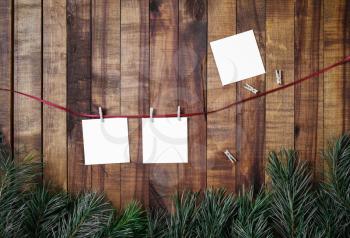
[(252, 216), (215, 213), (182, 223), (293, 201), (131, 223), (43, 211), (88, 217), (157, 224), (337, 189), (14, 181)]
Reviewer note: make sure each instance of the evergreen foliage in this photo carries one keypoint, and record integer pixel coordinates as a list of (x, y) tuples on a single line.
[(292, 206)]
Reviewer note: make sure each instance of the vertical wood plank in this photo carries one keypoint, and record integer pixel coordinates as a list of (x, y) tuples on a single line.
[(5, 70), (346, 42), (134, 93), (192, 86), (106, 85), (27, 77), (251, 115), (221, 126), (79, 89), (334, 81), (279, 55), (163, 89), (309, 95), (54, 90)]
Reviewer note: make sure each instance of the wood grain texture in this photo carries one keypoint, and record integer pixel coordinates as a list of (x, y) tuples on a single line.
[(221, 127), (5, 70), (105, 87), (134, 94), (79, 90), (27, 77), (279, 55), (54, 89), (346, 42), (334, 81), (191, 89), (250, 116), (128, 55), (308, 96), (163, 89)]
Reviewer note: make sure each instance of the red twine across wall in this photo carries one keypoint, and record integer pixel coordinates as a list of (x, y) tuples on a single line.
[(85, 115)]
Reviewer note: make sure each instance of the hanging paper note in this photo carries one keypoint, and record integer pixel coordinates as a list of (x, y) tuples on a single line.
[(237, 57), (106, 142), (164, 140)]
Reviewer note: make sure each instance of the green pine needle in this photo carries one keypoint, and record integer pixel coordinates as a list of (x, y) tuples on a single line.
[(251, 220), (293, 199), (216, 210), (182, 223), (88, 217), (292, 207)]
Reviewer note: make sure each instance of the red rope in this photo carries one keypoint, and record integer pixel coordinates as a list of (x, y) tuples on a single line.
[(85, 115)]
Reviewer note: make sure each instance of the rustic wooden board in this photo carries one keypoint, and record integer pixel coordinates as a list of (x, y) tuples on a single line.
[(346, 42), (27, 77), (191, 89), (250, 116), (309, 95), (128, 55), (134, 93), (105, 86), (79, 90), (279, 55), (221, 127), (5, 70), (54, 89), (163, 89), (334, 50)]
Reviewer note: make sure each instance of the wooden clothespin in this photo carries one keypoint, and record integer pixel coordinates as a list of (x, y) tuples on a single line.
[(100, 113), (230, 156), (251, 88), (179, 113), (151, 113), (278, 73)]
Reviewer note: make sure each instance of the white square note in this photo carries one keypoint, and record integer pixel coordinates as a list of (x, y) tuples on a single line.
[(237, 57), (106, 142), (164, 140)]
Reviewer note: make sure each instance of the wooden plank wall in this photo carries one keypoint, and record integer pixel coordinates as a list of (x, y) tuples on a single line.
[(128, 55)]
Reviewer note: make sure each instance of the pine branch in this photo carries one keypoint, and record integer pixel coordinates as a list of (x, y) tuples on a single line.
[(182, 222), (337, 189), (43, 212), (88, 218), (251, 220), (131, 223), (293, 199), (215, 213), (14, 181)]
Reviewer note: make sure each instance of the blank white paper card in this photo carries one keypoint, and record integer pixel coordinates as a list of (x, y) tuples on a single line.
[(106, 142), (164, 140), (237, 57)]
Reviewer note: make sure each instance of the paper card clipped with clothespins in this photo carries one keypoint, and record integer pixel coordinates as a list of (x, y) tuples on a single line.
[(237, 57), (106, 140), (165, 140)]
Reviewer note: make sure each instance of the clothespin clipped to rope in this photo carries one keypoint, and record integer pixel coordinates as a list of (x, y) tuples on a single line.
[(278, 73), (250, 88), (178, 113), (100, 113), (151, 113), (230, 156)]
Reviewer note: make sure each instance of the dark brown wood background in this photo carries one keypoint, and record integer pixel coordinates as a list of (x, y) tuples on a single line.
[(128, 55)]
